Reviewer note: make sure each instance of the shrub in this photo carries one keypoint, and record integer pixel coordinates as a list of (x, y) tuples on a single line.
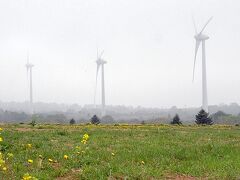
[(34, 120), (203, 118), (72, 121), (95, 120), (176, 120)]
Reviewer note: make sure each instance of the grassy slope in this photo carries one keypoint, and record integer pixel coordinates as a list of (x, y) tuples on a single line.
[(142, 152)]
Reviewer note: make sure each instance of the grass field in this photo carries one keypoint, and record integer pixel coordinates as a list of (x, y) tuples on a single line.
[(120, 152)]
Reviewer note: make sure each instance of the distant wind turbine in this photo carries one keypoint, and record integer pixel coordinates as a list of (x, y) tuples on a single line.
[(201, 38), (29, 67), (100, 64)]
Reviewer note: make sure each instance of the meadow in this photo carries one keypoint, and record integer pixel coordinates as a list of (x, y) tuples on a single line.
[(119, 152)]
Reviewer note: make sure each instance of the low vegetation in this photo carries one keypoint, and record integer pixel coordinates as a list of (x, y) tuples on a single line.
[(119, 151)]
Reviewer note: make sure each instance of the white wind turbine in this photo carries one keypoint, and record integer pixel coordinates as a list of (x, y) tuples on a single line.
[(201, 38), (100, 64), (29, 67)]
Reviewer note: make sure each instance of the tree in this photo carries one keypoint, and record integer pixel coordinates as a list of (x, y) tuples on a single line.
[(176, 120), (95, 120), (34, 120), (72, 121), (203, 118)]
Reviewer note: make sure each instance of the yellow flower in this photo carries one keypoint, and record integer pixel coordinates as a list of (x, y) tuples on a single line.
[(1, 129), (86, 137), (142, 162), (50, 160), (27, 177), (113, 154), (65, 157), (1, 139), (4, 168), (2, 162), (29, 145), (30, 161), (84, 141)]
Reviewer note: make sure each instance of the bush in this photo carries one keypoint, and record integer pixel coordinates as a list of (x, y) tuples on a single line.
[(176, 120), (95, 120), (72, 121), (203, 118), (34, 120)]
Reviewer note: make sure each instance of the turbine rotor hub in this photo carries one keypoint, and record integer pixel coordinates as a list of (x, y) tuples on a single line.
[(101, 62), (201, 37)]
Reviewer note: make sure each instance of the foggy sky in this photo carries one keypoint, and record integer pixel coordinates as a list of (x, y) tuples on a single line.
[(149, 49)]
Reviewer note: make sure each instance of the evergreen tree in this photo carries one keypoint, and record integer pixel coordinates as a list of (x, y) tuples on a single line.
[(95, 120), (203, 118), (72, 121), (176, 120)]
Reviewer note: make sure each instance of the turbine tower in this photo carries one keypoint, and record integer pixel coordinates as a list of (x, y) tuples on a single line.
[(201, 38), (100, 64), (29, 67)]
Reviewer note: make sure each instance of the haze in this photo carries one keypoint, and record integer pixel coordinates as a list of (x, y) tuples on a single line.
[(149, 47)]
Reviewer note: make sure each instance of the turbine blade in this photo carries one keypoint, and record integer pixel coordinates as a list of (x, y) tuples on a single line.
[(206, 25), (195, 56), (97, 53), (95, 91), (27, 72), (101, 54), (194, 24)]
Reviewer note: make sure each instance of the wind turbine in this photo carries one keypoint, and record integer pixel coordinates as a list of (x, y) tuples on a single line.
[(29, 67), (201, 38), (100, 64)]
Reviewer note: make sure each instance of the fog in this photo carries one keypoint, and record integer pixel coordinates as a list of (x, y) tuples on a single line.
[(148, 45)]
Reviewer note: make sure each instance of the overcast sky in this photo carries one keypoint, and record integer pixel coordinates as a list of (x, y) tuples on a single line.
[(149, 49)]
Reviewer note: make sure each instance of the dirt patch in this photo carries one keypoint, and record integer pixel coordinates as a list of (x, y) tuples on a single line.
[(27, 129), (70, 175), (183, 177)]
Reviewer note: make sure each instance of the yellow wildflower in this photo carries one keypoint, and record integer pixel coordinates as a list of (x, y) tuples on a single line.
[(65, 157), (2, 162), (30, 161), (1, 139), (26, 177), (86, 137), (4, 168), (50, 160), (142, 162), (29, 145), (84, 141), (1, 129), (113, 154)]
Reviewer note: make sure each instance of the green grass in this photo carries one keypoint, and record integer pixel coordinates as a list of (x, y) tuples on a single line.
[(140, 152)]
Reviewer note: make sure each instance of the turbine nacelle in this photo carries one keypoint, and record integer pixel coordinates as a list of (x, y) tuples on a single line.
[(28, 65), (101, 62), (201, 37)]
